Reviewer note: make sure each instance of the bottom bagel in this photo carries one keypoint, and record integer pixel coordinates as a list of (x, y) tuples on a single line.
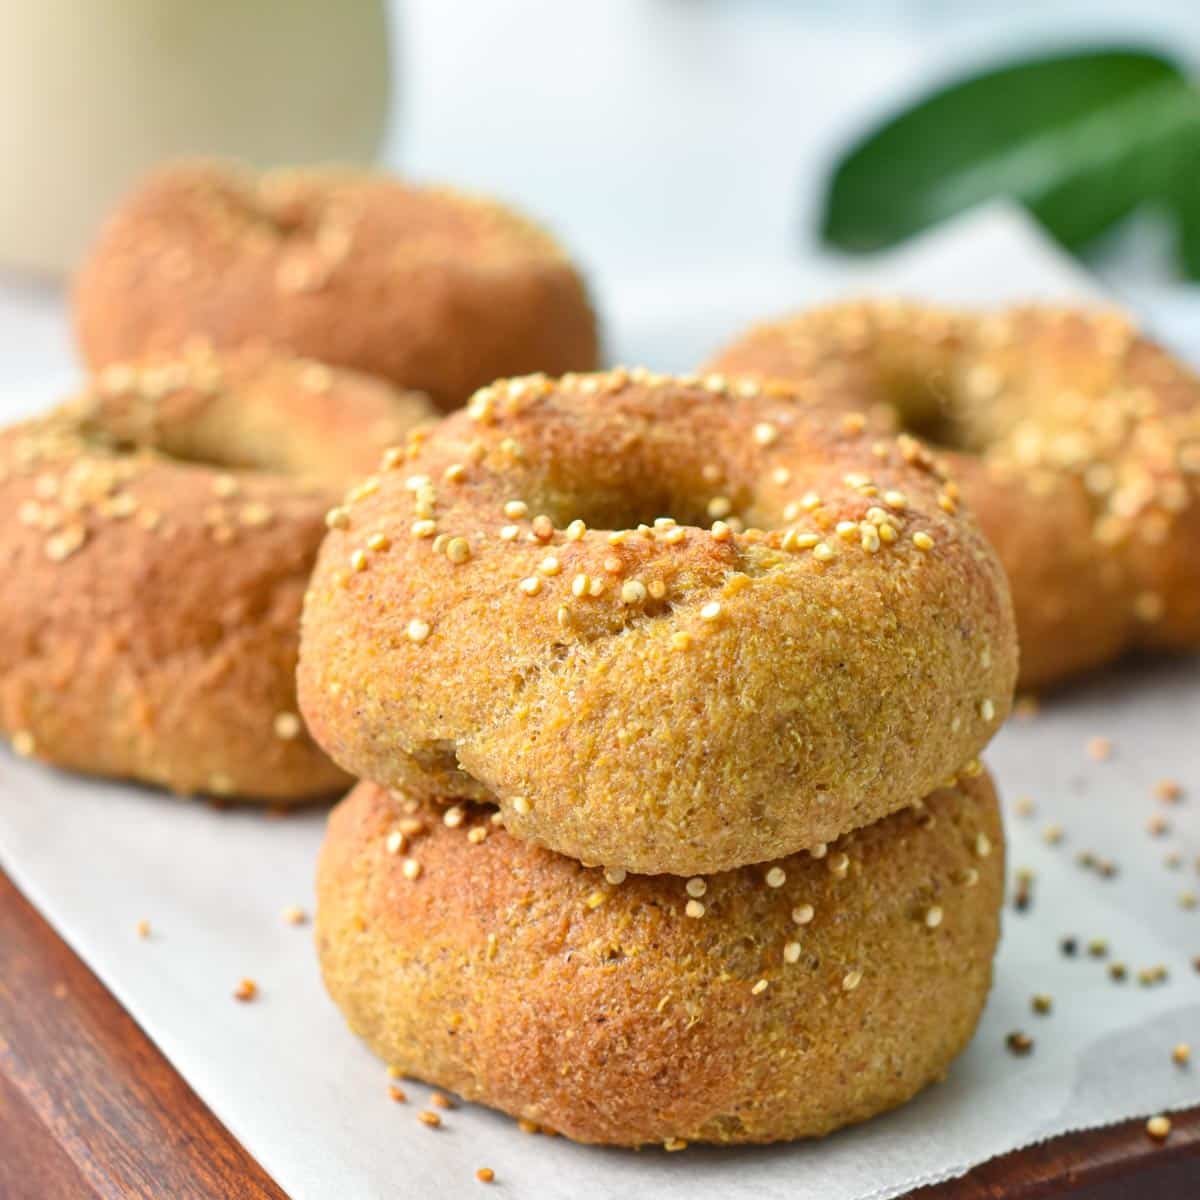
[(775, 1001)]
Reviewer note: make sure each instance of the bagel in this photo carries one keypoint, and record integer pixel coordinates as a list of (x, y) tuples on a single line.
[(149, 618), (1075, 439), (426, 287), (783, 1004), (547, 627)]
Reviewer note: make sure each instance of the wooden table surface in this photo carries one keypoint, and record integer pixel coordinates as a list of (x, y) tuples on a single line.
[(90, 1108)]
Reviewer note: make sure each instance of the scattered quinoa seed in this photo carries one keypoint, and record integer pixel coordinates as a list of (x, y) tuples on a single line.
[(1170, 791), (485, 1175), (246, 990), (1159, 1128), (1019, 1043)]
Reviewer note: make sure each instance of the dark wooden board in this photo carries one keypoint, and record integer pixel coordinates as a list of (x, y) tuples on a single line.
[(1099, 1164), (90, 1108)]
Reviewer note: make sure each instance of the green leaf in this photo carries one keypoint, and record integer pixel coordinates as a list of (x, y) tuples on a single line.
[(1081, 139), (1189, 243), (1184, 201)]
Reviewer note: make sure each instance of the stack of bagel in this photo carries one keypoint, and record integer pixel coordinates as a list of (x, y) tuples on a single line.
[(668, 694)]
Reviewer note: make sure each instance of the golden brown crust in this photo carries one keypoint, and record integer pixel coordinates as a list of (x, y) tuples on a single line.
[(520, 979), (1075, 439), (671, 698), (432, 289), (253, 408), (149, 618)]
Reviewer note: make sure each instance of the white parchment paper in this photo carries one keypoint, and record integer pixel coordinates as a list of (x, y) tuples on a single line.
[(311, 1104)]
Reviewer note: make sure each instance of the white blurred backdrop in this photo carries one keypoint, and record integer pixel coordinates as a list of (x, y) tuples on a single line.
[(673, 144), (662, 135)]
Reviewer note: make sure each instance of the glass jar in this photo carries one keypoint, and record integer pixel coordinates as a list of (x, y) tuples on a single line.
[(93, 92)]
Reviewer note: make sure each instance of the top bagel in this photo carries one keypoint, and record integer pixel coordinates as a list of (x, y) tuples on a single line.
[(429, 288), (528, 611), (1075, 439)]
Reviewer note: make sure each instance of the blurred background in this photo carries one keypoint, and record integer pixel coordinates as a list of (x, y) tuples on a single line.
[(662, 139)]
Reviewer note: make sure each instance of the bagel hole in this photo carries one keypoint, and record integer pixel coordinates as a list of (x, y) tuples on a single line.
[(628, 512), (280, 208), (930, 406), (925, 407), (616, 510), (632, 472)]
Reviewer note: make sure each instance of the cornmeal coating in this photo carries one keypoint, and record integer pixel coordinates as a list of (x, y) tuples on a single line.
[(771, 1002), (430, 288), (150, 615), (548, 625), (1076, 441)]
